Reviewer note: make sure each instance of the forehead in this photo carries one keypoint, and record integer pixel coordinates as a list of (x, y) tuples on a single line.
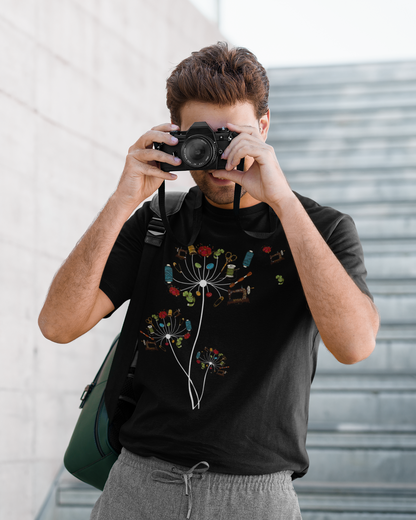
[(216, 116)]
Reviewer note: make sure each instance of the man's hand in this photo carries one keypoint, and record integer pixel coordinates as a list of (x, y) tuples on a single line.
[(264, 179), (141, 175), (75, 303)]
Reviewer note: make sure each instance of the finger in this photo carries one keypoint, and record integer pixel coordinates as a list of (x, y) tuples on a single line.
[(153, 171), (236, 141), (248, 129), (233, 175), (149, 155), (240, 151), (166, 127), (157, 134)]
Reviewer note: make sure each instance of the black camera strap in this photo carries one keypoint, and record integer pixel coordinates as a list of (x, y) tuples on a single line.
[(254, 234)]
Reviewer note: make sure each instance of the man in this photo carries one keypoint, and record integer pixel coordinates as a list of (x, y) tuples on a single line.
[(229, 336)]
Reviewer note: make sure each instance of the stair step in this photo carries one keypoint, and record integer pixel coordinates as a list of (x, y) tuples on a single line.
[(326, 75), (77, 495), (391, 266), (353, 440), (363, 172), (363, 406), (341, 144), (301, 106), (396, 331), (394, 158), (390, 357), (73, 513), (362, 90), (362, 464), (391, 287), (381, 227), (375, 208), (340, 128), (352, 382), (342, 500), (365, 191), (396, 308), (311, 123)]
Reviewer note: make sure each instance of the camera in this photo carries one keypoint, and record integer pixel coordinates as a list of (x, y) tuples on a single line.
[(200, 148)]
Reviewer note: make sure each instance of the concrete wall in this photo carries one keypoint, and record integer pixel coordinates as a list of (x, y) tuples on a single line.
[(80, 81)]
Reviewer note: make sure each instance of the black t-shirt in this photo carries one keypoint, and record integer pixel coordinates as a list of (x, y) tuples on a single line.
[(228, 346)]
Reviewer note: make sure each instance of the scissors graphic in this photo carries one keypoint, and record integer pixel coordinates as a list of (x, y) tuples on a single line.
[(229, 257)]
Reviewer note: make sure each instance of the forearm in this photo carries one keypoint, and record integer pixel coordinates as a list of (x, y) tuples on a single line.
[(346, 318), (74, 290)]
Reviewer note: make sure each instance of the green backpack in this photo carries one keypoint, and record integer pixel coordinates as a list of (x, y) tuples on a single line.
[(94, 445)]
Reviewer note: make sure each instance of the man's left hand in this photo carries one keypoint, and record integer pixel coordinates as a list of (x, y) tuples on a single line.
[(264, 179)]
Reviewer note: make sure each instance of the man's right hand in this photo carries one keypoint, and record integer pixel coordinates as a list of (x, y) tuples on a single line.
[(142, 176), (75, 303)]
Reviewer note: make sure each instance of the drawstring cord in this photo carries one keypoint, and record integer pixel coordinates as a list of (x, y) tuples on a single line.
[(177, 476)]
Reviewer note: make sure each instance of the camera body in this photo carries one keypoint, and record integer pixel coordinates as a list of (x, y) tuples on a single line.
[(199, 148)]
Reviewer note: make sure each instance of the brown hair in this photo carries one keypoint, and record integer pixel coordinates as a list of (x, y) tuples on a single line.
[(219, 75)]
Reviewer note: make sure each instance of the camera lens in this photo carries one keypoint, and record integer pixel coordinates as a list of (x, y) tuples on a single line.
[(197, 151)]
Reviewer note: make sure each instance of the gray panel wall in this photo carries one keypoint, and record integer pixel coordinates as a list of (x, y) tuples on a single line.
[(80, 81)]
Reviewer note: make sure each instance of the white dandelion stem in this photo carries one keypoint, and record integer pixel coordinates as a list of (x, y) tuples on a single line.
[(180, 364), (193, 349)]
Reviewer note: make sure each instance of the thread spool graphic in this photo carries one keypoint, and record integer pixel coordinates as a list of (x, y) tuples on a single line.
[(230, 271), (168, 274), (188, 325), (248, 258), (151, 329), (170, 312), (192, 250)]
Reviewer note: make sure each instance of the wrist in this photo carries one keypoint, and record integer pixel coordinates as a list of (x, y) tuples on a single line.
[(284, 204), (123, 205)]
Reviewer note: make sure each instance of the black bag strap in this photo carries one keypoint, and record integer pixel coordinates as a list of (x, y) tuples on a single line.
[(163, 203), (129, 332)]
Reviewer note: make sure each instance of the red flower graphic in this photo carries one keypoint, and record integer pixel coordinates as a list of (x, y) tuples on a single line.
[(204, 251), (162, 314), (174, 291), (267, 249)]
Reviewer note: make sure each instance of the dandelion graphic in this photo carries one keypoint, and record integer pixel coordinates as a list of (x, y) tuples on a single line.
[(203, 274), (168, 330)]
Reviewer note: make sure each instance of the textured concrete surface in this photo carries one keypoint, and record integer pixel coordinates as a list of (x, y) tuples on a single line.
[(80, 81)]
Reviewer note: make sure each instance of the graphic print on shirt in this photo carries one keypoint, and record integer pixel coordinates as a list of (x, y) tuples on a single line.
[(202, 275), (168, 330), (274, 259), (210, 276), (195, 274)]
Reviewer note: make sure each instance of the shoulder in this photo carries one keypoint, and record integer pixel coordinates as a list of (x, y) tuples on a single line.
[(325, 218)]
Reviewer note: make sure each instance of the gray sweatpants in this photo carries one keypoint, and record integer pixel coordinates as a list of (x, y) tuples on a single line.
[(142, 488)]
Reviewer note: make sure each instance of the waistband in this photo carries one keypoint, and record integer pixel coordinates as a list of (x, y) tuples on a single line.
[(281, 479)]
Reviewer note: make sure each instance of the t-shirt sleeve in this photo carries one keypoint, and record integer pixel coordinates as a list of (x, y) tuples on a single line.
[(120, 272), (345, 244)]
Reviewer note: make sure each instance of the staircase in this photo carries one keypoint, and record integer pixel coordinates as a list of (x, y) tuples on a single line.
[(345, 136)]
